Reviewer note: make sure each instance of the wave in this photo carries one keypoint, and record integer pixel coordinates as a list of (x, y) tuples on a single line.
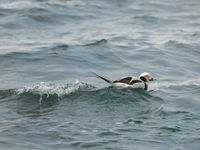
[(184, 46), (47, 95), (176, 43), (97, 42), (61, 90), (46, 89), (16, 5), (53, 88)]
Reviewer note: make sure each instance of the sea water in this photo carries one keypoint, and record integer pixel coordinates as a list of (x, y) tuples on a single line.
[(49, 98)]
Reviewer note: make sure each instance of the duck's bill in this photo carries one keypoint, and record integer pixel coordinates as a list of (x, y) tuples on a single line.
[(152, 79)]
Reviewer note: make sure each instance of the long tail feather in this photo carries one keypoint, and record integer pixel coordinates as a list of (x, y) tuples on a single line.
[(98, 76)]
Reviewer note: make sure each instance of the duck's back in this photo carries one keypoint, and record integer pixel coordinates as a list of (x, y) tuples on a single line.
[(130, 82)]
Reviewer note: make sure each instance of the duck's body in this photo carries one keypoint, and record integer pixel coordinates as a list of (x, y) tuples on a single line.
[(131, 81)]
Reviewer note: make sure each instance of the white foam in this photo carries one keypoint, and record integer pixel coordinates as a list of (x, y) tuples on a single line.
[(53, 88)]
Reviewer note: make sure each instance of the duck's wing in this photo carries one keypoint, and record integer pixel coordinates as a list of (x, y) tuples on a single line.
[(126, 80)]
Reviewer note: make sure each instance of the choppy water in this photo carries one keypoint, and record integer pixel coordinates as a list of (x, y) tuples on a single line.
[(49, 100)]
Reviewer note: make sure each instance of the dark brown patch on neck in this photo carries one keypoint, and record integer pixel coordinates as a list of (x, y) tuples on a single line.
[(143, 79), (146, 86)]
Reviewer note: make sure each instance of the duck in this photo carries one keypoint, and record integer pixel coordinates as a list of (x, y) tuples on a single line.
[(132, 82)]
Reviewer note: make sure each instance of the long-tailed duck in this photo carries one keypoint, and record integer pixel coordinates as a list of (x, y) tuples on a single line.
[(131, 81)]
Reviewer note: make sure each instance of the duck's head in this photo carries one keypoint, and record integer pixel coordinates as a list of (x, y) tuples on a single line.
[(146, 77)]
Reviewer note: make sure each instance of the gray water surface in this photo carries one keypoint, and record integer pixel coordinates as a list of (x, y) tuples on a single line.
[(49, 98)]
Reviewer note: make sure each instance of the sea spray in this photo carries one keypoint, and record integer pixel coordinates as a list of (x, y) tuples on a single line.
[(48, 89)]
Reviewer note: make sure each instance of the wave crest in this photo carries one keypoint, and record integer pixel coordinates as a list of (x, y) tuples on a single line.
[(53, 88)]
